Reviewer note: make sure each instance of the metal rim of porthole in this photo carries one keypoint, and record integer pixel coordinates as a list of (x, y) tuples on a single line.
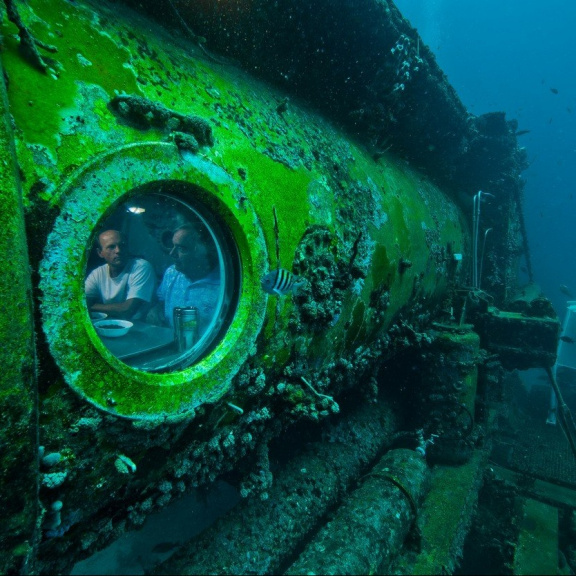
[(88, 367)]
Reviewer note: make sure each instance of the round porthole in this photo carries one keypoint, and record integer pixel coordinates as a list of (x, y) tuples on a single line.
[(171, 337), (162, 278)]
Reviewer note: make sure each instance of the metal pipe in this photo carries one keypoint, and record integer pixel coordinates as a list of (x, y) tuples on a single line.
[(370, 527), (258, 536)]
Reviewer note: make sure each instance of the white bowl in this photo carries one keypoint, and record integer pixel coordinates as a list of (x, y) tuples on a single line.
[(112, 328), (94, 316)]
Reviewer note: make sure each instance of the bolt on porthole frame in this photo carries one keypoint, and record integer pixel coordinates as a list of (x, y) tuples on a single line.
[(190, 288)]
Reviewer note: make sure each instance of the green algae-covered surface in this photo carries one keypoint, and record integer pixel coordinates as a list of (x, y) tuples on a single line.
[(150, 394), (282, 180), (537, 550), (445, 517), (18, 424), (372, 240)]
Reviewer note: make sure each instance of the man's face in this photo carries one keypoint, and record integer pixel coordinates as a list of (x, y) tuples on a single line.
[(189, 254), (113, 249)]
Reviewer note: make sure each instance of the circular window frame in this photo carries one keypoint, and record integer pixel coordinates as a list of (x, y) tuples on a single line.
[(88, 367)]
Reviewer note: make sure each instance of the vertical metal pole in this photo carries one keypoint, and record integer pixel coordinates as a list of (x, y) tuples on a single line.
[(566, 420)]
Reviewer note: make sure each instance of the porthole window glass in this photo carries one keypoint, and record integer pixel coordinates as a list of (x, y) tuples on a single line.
[(162, 278)]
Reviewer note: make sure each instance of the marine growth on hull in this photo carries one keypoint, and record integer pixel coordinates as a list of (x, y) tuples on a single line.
[(248, 275)]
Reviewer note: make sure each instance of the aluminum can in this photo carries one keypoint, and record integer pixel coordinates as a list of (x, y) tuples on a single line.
[(185, 327)]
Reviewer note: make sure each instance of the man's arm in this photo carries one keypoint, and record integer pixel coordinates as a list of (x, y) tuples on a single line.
[(125, 309), (141, 284)]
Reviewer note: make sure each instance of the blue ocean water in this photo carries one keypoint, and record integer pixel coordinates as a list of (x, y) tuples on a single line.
[(519, 56)]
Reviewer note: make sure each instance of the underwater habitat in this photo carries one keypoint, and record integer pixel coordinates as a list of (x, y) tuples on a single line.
[(289, 287)]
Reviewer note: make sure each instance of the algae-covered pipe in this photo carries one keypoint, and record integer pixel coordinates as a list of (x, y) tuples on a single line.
[(369, 529), (370, 238), (258, 536)]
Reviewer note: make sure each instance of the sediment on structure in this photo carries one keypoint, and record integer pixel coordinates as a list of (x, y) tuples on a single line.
[(260, 537)]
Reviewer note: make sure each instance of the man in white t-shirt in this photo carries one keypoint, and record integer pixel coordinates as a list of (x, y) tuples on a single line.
[(123, 287)]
